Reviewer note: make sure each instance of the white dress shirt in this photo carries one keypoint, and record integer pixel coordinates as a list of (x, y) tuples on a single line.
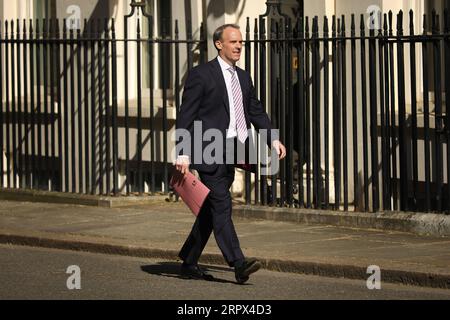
[(231, 132)]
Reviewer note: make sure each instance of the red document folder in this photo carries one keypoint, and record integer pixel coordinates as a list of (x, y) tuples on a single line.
[(190, 189)]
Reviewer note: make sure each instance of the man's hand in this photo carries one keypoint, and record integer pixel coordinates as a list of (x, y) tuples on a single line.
[(182, 164), (280, 149)]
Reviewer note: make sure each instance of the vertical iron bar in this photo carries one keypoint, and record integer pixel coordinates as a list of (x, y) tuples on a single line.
[(356, 187), (301, 109), (402, 118), (87, 176), (127, 126), (53, 171), (94, 182), (289, 109), (326, 115), (248, 69), (307, 115), (438, 113), (316, 113), (19, 111), (32, 109), (39, 107), (336, 139), (47, 173), (255, 77), (108, 112), (334, 95), (338, 112), (275, 98), (59, 74), (190, 56), (101, 102), (282, 107), (274, 93), (314, 109), (26, 140), (364, 114), (426, 115), (177, 75), (415, 164), (344, 112), (72, 111), (114, 111), (66, 108), (152, 108), (374, 118), (13, 107), (177, 71), (381, 46), (263, 94), (8, 112), (386, 129), (150, 135), (393, 130), (139, 109), (36, 114), (81, 176), (203, 45), (276, 105), (165, 87)]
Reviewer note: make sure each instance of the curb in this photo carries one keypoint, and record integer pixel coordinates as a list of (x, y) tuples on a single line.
[(78, 199), (428, 224), (298, 267)]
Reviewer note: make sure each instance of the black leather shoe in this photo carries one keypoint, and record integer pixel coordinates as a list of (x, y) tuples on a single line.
[(243, 272), (195, 272)]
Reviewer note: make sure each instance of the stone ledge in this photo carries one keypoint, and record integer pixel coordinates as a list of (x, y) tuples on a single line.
[(79, 199), (411, 222)]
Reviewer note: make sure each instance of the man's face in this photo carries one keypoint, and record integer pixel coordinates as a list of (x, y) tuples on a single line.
[(230, 45)]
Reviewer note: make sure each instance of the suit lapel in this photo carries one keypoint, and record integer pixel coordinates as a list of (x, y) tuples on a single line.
[(243, 82), (218, 75)]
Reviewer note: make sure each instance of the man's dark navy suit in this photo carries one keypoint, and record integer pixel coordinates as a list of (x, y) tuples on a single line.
[(205, 99)]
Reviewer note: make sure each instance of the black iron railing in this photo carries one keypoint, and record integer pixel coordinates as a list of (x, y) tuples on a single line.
[(61, 117), (378, 156), (362, 111)]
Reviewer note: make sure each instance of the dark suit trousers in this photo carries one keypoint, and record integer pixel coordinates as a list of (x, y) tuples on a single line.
[(215, 216)]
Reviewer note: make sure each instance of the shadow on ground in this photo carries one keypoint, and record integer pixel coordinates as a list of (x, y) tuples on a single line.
[(172, 270)]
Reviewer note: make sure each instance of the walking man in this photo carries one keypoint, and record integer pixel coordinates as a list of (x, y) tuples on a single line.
[(221, 96)]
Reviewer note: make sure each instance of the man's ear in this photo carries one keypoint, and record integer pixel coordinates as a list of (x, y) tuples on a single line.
[(219, 45)]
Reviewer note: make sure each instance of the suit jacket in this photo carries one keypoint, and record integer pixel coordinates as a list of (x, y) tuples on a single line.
[(205, 99)]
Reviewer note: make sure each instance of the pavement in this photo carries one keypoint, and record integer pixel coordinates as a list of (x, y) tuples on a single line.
[(158, 230)]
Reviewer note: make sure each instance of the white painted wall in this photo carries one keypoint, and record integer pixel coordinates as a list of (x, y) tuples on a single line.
[(11, 9)]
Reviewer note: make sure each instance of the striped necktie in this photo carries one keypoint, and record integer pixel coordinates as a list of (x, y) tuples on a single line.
[(241, 124)]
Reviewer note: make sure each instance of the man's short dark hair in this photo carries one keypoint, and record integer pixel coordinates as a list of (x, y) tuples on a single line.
[(219, 32)]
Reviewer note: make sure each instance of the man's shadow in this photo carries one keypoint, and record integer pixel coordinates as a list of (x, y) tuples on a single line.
[(172, 270)]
